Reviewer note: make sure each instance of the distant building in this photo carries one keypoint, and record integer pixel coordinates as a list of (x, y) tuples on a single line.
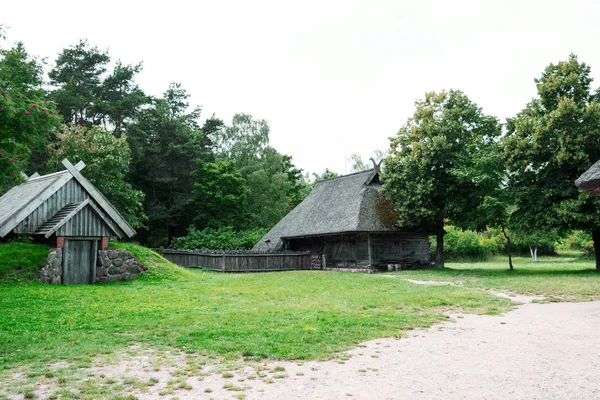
[(66, 211), (589, 181), (349, 224)]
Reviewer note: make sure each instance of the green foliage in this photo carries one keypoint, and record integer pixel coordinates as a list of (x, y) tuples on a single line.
[(21, 261), (87, 95), (219, 239), (107, 161), (219, 197), (27, 119), (442, 164), (275, 185), (327, 174), (549, 144), (472, 245), (166, 142), (578, 241)]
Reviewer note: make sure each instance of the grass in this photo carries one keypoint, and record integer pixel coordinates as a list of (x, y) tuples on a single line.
[(21, 261), (297, 315), (570, 278)]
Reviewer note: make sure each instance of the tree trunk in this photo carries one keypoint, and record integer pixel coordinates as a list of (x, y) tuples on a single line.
[(439, 240), (510, 264), (596, 238)]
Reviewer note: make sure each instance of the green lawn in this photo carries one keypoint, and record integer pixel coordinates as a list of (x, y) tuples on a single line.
[(280, 315)]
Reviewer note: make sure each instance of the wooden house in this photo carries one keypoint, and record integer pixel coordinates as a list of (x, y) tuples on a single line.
[(347, 223), (67, 211), (589, 181)]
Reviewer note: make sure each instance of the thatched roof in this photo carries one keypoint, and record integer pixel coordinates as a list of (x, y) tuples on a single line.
[(350, 203), (590, 179)]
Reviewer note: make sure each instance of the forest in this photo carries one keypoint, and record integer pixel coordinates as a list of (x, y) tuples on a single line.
[(190, 182)]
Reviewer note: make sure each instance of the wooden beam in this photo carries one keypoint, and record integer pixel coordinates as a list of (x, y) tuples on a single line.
[(100, 199), (80, 165), (370, 250)]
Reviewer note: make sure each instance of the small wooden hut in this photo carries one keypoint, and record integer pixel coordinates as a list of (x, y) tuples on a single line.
[(65, 210), (589, 181), (348, 224)]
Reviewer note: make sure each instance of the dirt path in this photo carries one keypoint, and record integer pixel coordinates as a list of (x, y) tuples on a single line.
[(538, 351)]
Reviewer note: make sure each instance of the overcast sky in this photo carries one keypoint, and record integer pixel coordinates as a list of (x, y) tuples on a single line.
[(331, 77)]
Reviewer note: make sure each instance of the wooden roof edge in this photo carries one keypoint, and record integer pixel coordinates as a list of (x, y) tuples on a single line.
[(109, 223), (100, 199), (27, 208)]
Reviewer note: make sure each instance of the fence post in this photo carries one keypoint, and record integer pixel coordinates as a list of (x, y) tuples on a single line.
[(223, 263)]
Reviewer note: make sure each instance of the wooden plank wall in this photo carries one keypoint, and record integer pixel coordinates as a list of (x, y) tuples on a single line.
[(71, 192), (245, 262)]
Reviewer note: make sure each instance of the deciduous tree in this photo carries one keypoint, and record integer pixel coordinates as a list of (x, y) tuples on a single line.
[(549, 144), (441, 165)]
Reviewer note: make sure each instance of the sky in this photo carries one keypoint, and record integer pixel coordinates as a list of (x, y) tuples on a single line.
[(331, 77)]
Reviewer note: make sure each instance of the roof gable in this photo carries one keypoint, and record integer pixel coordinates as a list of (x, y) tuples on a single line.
[(22, 200)]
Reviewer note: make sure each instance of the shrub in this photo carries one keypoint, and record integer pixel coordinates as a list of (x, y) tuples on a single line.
[(460, 243), (219, 239), (578, 241)]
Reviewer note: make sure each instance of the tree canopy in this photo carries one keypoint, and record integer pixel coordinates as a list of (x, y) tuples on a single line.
[(442, 163), (549, 144)]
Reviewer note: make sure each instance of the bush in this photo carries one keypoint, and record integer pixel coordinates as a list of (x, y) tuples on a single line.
[(218, 239), (460, 243), (578, 241)]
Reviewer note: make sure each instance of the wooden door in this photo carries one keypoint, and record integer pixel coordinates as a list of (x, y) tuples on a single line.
[(78, 261)]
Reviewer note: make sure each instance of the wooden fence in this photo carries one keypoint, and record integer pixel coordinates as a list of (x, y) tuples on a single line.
[(243, 262)]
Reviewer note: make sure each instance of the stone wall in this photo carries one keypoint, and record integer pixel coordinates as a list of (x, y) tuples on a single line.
[(111, 266), (52, 272), (117, 265)]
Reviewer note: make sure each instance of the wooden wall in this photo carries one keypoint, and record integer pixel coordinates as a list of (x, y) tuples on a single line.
[(85, 223), (71, 192), (352, 250), (399, 248)]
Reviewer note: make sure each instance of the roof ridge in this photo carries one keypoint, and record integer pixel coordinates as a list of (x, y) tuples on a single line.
[(345, 176), (41, 177)]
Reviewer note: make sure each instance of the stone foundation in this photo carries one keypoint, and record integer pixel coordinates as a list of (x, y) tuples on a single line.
[(52, 272), (111, 266), (117, 265)]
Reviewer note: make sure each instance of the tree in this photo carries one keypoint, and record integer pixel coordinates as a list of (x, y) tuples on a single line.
[(549, 144), (274, 183), (78, 77), (327, 174), (166, 142), (219, 197), (86, 95), (107, 161), (27, 119), (358, 165), (441, 165)]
